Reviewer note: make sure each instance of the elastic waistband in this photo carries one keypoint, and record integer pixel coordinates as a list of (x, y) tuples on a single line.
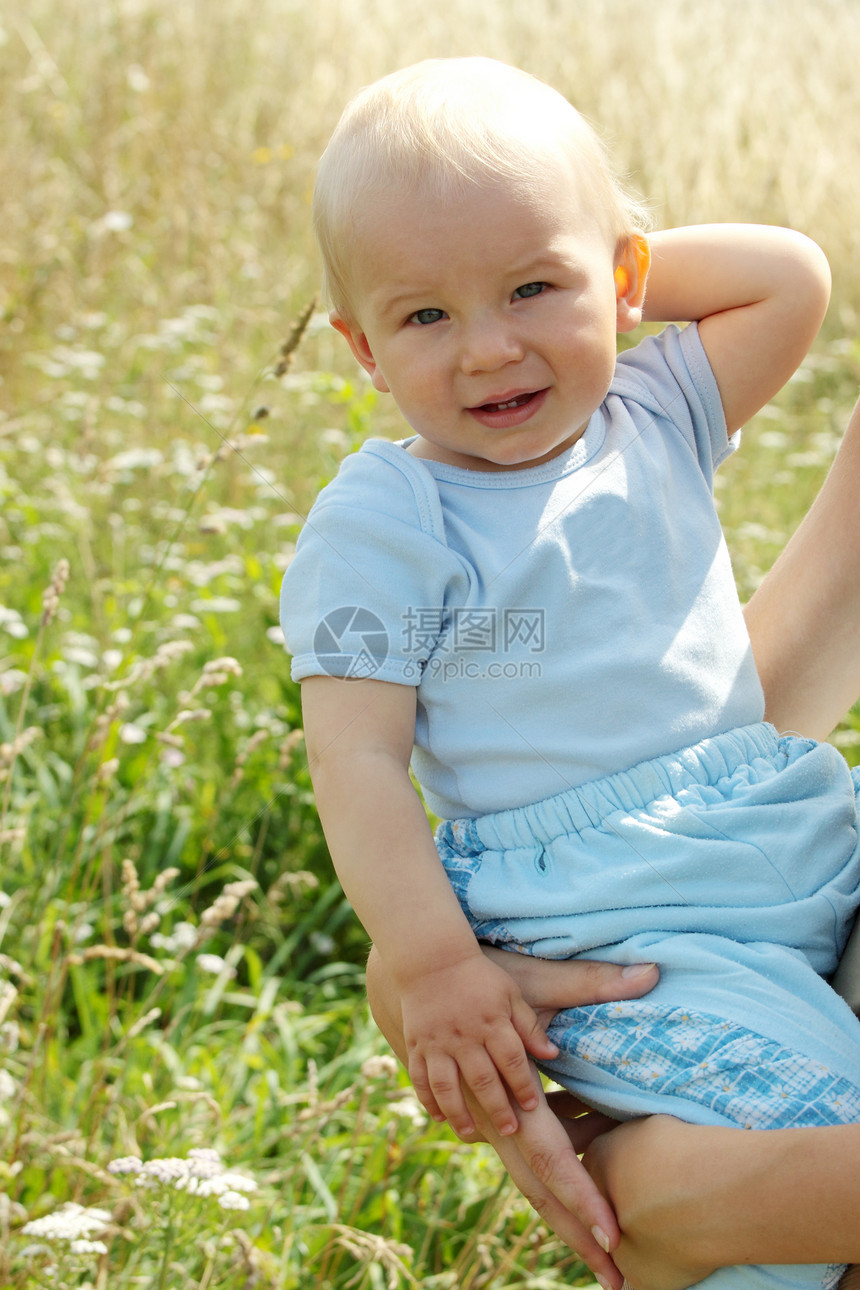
[(584, 807)]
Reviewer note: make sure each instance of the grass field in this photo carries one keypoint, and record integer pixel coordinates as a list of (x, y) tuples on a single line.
[(179, 974)]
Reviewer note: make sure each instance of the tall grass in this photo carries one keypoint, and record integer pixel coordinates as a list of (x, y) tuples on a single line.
[(178, 971)]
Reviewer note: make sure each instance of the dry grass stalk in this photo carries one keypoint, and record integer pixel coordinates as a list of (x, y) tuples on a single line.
[(291, 344)]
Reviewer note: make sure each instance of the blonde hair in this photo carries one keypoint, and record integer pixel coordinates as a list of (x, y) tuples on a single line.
[(454, 122)]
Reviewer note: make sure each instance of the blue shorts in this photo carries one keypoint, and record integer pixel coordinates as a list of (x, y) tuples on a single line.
[(735, 866)]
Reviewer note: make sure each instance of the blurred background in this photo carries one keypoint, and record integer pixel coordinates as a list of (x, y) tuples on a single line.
[(178, 968)]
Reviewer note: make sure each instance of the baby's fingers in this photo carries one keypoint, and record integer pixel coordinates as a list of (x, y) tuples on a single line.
[(437, 1085), (512, 1063), (483, 1075), (424, 1093)]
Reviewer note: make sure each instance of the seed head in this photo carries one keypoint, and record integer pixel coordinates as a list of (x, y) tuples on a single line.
[(293, 340), (227, 903), (52, 593)]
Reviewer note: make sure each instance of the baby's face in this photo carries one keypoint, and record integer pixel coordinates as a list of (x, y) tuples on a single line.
[(490, 316)]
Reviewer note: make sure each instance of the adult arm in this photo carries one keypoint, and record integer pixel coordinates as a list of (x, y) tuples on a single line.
[(788, 1194), (804, 619), (692, 1198), (539, 1157)]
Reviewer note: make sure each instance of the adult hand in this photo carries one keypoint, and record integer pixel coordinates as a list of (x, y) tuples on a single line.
[(540, 1157)]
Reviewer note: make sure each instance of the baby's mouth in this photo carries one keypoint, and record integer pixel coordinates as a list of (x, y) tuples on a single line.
[(506, 414), (518, 402)]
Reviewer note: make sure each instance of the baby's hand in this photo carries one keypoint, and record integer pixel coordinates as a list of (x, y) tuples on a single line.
[(469, 1022)]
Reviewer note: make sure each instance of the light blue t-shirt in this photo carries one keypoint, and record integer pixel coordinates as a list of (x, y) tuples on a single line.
[(562, 622)]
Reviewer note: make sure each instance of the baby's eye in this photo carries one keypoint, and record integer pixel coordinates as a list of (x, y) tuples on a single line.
[(529, 289), (426, 316)]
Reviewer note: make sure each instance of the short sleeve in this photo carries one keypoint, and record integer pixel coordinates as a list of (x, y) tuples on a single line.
[(671, 374), (366, 592)]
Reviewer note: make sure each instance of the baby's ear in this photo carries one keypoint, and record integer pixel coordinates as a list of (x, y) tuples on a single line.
[(358, 343), (631, 275)]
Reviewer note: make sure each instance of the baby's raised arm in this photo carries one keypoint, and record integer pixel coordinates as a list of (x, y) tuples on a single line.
[(759, 294), (463, 1016)]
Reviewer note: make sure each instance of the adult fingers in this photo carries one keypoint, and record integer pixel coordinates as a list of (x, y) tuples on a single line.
[(571, 983), (546, 1171)]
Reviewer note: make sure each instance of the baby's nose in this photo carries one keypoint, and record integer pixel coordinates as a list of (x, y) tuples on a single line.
[(489, 344)]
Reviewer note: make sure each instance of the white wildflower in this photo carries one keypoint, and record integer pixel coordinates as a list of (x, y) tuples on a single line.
[(335, 437), (136, 78), (12, 622), (8, 995), (181, 939), (167, 1170), (233, 1200), (202, 1173), (239, 1182), (131, 733), (117, 221), (227, 1181), (205, 1160), (8, 1087), (70, 1222), (88, 1247), (215, 964), (409, 1108), (80, 655), (379, 1067), (216, 605), (125, 1165), (12, 681), (10, 1036), (65, 360), (322, 943)]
